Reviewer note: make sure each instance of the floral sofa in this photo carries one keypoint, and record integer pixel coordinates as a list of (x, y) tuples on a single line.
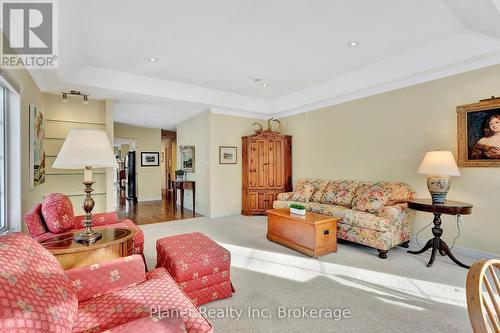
[(371, 213), (37, 295)]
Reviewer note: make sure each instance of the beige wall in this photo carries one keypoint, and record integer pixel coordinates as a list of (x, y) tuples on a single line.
[(226, 179), (195, 132), (60, 117), (147, 140), (385, 137), (218, 187)]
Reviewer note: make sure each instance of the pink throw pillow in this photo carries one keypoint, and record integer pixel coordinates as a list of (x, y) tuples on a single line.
[(57, 211)]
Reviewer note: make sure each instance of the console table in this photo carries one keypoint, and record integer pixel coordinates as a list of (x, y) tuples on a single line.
[(184, 185), (436, 243)]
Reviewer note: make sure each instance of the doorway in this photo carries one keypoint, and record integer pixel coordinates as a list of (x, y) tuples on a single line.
[(168, 161)]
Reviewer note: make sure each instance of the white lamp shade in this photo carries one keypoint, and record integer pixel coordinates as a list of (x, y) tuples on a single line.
[(439, 163), (85, 147)]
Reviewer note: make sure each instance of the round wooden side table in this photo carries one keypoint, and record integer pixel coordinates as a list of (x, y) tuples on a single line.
[(436, 243), (115, 243)]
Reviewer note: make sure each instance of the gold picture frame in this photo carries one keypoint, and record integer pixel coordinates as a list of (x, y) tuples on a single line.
[(474, 132)]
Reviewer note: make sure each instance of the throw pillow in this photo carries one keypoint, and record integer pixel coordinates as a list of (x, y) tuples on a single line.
[(370, 198), (320, 186), (34, 221), (340, 193), (398, 192), (57, 212), (303, 193)]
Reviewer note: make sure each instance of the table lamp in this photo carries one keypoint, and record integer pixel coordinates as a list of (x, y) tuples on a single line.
[(86, 149), (438, 166)]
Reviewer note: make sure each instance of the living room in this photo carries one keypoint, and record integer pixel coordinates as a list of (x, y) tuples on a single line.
[(316, 144)]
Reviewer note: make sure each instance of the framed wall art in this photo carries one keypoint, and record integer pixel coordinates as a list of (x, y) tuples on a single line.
[(187, 158), (150, 159), (37, 149), (227, 155), (478, 134)]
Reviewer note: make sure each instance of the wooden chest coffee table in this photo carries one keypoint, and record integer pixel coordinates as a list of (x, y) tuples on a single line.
[(312, 234)]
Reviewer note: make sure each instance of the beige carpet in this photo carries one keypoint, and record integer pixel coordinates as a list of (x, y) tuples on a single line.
[(399, 294)]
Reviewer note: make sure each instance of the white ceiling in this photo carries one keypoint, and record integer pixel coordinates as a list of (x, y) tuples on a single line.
[(210, 52)]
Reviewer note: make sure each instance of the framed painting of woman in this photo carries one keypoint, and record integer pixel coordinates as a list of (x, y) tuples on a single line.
[(479, 134)]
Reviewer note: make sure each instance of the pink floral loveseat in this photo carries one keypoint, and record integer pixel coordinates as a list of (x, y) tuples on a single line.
[(37, 295), (371, 213)]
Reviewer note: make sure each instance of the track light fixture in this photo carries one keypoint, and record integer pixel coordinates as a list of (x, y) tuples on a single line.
[(75, 93)]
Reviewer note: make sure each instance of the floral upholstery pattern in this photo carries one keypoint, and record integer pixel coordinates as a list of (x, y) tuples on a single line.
[(304, 192), (99, 279), (340, 193), (284, 196), (199, 265), (33, 220), (370, 199), (97, 219), (320, 186), (57, 211), (35, 295), (387, 222), (170, 323), (158, 292)]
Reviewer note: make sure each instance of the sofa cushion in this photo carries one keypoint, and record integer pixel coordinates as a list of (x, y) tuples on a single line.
[(320, 186), (370, 198), (340, 193), (158, 293), (35, 295), (33, 220), (57, 211), (304, 192), (365, 220)]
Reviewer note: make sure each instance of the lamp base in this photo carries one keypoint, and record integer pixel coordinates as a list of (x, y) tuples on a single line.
[(87, 238), (438, 187)]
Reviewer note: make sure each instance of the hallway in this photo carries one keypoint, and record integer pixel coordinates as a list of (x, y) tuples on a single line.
[(148, 212)]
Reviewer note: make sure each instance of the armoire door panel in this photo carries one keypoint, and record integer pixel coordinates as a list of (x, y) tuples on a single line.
[(253, 162), (270, 164), (261, 173), (278, 150)]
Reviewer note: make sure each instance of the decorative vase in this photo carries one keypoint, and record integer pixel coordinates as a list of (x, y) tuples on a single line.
[(298, 211), (438, 187)]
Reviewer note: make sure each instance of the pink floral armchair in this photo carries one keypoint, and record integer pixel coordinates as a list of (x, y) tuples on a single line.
[(55, 216), (37, 295)]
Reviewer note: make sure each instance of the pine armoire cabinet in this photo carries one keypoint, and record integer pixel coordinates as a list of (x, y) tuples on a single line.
[(267, 170)]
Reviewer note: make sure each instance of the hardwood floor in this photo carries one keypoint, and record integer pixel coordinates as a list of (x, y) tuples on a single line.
[(147, 212)]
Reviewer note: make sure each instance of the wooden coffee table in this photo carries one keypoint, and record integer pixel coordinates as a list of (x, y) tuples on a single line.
[(115, 243), (312, 234)]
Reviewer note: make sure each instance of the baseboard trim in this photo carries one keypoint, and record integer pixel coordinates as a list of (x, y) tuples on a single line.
[(149, 199), (474, 254)]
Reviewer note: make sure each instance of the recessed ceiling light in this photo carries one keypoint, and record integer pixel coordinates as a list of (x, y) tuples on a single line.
[(257, 79), (353, 43), (153, 59), (264, 84)]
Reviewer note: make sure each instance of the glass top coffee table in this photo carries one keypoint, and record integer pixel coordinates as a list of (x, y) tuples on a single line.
[(115, 243)]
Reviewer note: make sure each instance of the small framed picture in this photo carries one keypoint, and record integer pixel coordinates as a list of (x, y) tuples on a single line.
[(227, 155), (150, 159), (187, 158)]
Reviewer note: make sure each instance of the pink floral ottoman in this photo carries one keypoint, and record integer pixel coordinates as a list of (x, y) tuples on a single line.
[(198, 264)]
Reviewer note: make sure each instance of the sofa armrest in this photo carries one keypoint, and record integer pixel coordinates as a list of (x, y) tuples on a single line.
[(97, 219), (286, 196), (99, 279), (397, 213)]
